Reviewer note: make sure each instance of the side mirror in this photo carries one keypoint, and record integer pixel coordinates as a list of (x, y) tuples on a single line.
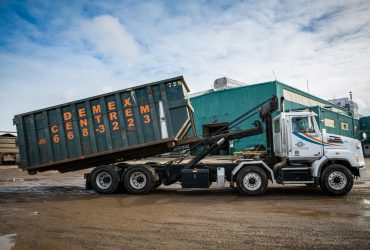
[(364, 136)]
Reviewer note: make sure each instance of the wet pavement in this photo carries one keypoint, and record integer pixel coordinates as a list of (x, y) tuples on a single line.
[(54, 211)]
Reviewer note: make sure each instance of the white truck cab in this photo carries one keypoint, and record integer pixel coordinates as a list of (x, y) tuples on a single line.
[(331, 160)]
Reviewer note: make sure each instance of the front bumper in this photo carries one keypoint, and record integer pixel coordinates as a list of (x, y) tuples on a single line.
[(362, 172)]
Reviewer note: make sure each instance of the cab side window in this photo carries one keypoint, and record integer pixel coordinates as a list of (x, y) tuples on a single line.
[(277, 126), (301, 125)]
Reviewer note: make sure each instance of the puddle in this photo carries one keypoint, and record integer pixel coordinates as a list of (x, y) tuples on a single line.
[(41, 193), (7, 241), (366, 205), (11, 180), (18, 179), (44, 190)]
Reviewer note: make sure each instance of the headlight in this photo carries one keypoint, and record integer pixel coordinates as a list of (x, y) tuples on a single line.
[(358, 145)]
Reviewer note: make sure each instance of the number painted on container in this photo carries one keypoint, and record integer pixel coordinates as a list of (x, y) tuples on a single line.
[(42, 141), (115, 125), (101, 128), (131, 122), (85, 132), (70, 135), (56, 138), (174, 84), (146, 118)]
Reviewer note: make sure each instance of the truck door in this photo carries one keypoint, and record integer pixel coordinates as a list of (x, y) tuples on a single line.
[(306, 140)]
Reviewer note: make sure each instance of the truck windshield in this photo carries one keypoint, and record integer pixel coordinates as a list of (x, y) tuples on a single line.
[(301, 125)]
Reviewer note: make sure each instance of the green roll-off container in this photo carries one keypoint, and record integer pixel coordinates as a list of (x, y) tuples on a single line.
[(132, 123)]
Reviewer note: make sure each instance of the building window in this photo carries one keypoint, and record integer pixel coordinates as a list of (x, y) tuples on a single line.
[(344, 126), (329, 123)]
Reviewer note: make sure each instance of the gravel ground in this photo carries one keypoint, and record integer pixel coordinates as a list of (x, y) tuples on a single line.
[(54, 211)]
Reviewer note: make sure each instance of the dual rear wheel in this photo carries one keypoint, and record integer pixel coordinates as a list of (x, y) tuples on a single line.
[(105, 179), (139, 180), (136, 180)]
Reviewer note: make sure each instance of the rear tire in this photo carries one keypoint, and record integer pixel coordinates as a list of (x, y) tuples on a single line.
[(252, 180), (105, 179), (336, 180), (138, 180)]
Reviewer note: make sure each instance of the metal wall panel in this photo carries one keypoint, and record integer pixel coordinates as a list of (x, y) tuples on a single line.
[(223, 106)]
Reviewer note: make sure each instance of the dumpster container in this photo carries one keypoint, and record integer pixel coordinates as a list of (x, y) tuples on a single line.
[(9, 153), (132, 123)]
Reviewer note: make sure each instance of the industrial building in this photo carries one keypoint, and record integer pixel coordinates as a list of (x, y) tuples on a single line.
[(365, 127), (227, 100), (348, 104), (9, 152)]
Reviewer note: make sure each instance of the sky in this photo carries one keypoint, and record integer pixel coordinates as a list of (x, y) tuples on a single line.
[(52, 52)]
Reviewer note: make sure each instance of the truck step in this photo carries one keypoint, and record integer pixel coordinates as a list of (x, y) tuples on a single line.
[(297, 175)]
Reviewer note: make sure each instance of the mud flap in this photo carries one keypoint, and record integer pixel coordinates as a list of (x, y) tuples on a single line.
[(88, 186)]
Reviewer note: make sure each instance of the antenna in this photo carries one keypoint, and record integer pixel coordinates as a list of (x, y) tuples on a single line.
[(308, 91), (274, 75)]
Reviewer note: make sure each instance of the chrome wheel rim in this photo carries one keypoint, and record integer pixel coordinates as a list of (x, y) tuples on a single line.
[(138, 180), (104, 180), (337, 180), (252, 181)]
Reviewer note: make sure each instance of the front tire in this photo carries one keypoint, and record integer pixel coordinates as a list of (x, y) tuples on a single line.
[(138, 180), (336, 180), (252, 180), (105, 179)]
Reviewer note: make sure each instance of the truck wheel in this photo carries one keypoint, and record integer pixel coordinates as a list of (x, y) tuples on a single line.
[(252, 181), (336, 180), (138, 180), (104, 179)]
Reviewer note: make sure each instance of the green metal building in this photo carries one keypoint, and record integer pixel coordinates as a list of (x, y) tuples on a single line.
[(216, 107), (365, 127)]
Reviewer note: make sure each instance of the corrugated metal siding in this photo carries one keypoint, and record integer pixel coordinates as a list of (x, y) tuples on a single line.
[(338, 120), (303, 99), (365, 127), (226, 105), (8, 144), (365, 124), (336, 113)]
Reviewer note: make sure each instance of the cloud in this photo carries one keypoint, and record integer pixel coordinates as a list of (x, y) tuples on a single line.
[(47, 59), (109, 38)]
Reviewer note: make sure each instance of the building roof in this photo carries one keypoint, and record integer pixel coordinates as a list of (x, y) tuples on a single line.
[(8, 134), (213, 91)]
